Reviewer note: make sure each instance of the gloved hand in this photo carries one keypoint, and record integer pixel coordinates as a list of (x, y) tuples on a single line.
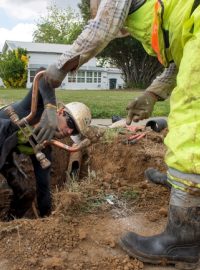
[(54, 76), (47, 125), (141, 107), (94, 134)]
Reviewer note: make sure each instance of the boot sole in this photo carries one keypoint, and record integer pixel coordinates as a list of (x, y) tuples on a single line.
[(163, 261)]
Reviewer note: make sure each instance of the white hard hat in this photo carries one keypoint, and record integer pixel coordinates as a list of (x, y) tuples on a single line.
[(80, 114)]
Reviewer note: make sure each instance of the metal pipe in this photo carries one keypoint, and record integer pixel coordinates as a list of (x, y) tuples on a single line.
[(34, 102), (75, 148), (25, 120)]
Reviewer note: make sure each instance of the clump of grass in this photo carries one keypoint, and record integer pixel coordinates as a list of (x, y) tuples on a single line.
[(91, 205), (111, 134), (130, 195), (91, 200)]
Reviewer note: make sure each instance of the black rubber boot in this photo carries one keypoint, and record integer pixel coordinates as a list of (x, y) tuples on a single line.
[(157, 177), (179, 244)]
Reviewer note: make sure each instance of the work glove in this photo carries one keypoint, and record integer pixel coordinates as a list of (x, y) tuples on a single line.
[(47, 125), (94, 134), (54, 76), (141, 107)]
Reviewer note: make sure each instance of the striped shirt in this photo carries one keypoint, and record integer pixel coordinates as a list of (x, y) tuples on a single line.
[(98, 32), (107, 25)]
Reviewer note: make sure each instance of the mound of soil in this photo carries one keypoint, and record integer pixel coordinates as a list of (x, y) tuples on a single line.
[(110, 198)]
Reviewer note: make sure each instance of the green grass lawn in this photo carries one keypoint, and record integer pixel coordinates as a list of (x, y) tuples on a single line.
[(103, 104)]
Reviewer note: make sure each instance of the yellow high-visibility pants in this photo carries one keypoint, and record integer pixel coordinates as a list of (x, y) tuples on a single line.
[(183, 139)]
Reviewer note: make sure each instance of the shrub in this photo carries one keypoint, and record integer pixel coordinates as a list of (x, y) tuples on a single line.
[(13, 68)]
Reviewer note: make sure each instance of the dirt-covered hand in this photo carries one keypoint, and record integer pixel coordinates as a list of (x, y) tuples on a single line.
[(54, 76), (140, 108), (94, 134), (47, 125)]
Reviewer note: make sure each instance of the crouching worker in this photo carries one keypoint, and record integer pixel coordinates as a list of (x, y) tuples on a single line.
[(15, 196)]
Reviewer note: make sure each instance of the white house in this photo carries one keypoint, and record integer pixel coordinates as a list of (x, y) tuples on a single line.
[(89, 76)]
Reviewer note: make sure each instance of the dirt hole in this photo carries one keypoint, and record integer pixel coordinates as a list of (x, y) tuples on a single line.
[(91, 214)]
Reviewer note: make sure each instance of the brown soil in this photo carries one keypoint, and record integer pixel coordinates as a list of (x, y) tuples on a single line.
[(90, 215)]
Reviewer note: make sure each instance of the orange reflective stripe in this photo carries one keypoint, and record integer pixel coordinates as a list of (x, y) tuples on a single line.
[(155, 33)]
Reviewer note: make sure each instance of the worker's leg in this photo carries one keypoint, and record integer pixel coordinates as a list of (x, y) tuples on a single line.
[(180, 242), (23, 194), (43, 185), (183, 139)]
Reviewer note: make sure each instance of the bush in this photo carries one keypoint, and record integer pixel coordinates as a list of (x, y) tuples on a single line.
[(13, 68)]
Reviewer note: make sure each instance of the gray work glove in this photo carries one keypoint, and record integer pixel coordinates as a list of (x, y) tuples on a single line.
[(141, 107), (54, 76), (47, 125)]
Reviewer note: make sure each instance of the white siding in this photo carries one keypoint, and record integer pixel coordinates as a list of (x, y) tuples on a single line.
[(42, 58), (41, 55), (47, 59)]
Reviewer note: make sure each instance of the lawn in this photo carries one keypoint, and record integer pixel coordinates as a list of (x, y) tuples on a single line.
[(103, 104)]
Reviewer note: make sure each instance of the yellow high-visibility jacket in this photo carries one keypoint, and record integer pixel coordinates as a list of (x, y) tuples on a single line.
[(163, 27), (170, 29)]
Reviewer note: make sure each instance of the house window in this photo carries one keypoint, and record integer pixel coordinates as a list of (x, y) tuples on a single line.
[(32, 75), (81, 77), (71, 77), (89, 76), (84, 76), (97, 77)]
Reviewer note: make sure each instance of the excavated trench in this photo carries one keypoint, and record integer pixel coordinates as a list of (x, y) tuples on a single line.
[(110, 197)]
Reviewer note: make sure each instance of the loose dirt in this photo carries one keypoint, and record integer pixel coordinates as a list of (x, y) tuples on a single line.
[(89, 215)]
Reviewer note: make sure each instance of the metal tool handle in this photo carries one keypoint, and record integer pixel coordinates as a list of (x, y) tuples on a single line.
[(44, 162)]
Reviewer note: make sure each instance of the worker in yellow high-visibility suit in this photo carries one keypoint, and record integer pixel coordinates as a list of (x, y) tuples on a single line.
[(170, 30)]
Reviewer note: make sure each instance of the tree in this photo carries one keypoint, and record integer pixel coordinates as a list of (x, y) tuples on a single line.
[(128, 55), (59, 26), (13, 68), (84, 7)]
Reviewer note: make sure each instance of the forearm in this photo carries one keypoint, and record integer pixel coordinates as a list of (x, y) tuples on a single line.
[(47, 92), (98, 33), (163, 85)]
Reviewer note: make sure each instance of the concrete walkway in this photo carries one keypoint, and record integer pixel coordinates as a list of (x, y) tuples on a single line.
[(108, 122)]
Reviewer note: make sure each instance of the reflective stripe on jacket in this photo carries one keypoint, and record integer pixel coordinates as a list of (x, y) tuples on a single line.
[(163, 27)]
